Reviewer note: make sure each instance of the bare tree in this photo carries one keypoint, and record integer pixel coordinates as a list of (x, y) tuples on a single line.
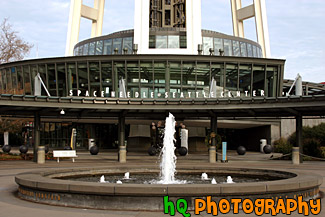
[(12, 47)]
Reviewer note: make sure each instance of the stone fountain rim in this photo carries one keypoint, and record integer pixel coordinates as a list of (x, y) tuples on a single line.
[(44, 181)]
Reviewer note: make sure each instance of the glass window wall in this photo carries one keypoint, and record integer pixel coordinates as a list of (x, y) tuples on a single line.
[(218, 45), (207, 44), (160, 79), (146, 80), (175, 71), (86, 49), (117, 45), (127, 43), (243, 49), (227, 47), (133, 79), (72, 79), (173, 41), (99, 48), (108, 47), (231, 77), (83, 78), (236, 48), (20, 80), (271, 79), (27, 79), (161, 41), (250, 50), (189, 77), (94, 77), (61, 80), (51, 79), (203, 80), (245, 73), (258, 80), (107, 82), (217, 73), (92, 46)]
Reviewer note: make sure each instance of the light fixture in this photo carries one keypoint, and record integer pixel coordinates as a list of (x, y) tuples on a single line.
[(62, 112)]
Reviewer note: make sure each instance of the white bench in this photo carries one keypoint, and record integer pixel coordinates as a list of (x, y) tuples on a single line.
[(71, 153)]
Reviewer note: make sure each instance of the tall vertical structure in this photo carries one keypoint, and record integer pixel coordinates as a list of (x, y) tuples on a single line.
[(257, 10), (79, 10), (167, 13), (182, 17)]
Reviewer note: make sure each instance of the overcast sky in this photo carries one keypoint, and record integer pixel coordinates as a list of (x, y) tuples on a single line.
[(296, 27)]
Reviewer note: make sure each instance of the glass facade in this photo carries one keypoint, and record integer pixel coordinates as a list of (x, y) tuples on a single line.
[(145, 77), (231, 46)]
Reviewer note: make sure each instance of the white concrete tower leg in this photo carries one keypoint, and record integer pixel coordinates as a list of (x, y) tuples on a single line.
[(97, 25), (73, 26), (262, 29), (257, 10), (78, 10), (238, 25)]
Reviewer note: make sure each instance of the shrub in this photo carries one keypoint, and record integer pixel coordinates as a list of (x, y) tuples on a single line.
[(313, 140), (282, 146)]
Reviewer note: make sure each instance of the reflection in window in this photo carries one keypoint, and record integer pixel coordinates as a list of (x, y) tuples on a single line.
[(218, 45), (94, 79), (217, 72), (245, 72), (14, 80), (80, 50), (189, 75), (83, 78), (146, 79), (20, 80), (258, 79), (42, 72), (254, 51), (52, 79), (99, 48), (236, 48), (9, 81), (250, 50), (152, 41), (161, 41), (228, 48), (183, 41), (271, 79), (92, 48), (117, 44), (107, 47), (133, 79), (85, 50), (231, 77), (173, 41), (28, 86), (61, 80), (76, 51), (127, 43), (72, 78), (203, 79), (243, 49), (107, 78), (207, 44), (160, 84)]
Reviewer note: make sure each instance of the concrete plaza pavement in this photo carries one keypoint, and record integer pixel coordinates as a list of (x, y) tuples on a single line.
[(12, 206)]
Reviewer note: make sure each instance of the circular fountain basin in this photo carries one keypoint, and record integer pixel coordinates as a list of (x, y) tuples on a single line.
[(52, 187)]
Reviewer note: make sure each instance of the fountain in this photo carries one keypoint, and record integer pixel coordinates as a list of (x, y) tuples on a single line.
[(168, 157), (61, 187), (204, 176), (229, 180), (127, 175)]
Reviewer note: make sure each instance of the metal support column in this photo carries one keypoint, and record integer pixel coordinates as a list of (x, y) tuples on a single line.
[(213, 150), (37, 135), (122, 146), (299, 136)]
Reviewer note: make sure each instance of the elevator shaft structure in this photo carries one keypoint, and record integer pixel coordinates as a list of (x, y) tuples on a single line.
[(167, 13)]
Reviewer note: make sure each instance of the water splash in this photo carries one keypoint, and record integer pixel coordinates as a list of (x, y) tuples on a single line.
[(204, 176), (119, 182), (127, 175), (168, 157), (229, 180), (213, 181)]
